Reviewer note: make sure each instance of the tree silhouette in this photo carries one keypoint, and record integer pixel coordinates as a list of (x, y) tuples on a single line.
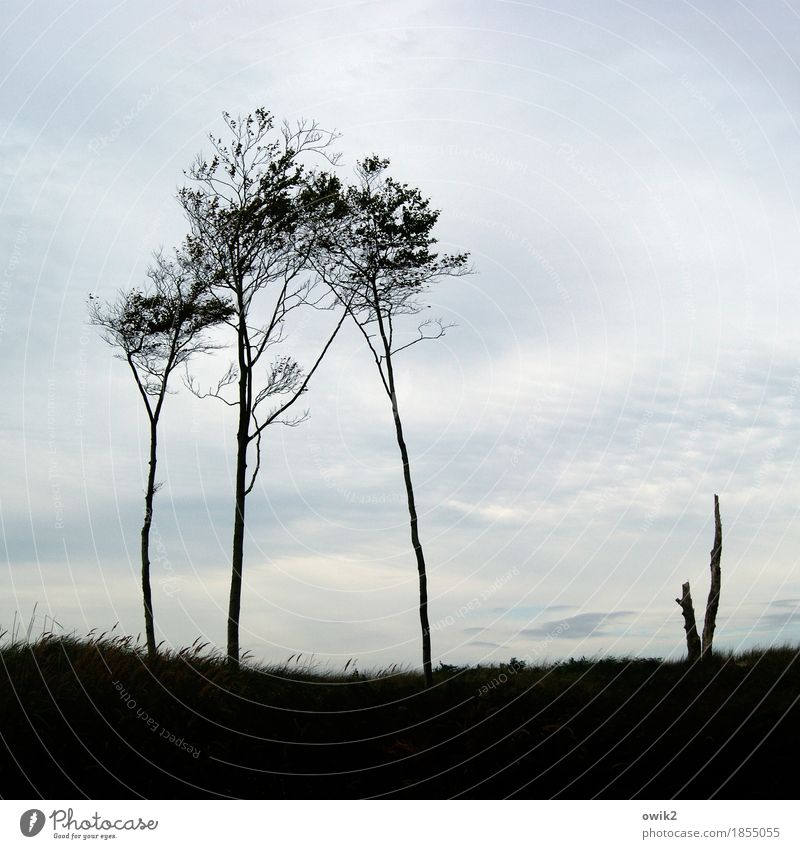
[(157, 329), (712, 605), (378, 262), (255, 213)]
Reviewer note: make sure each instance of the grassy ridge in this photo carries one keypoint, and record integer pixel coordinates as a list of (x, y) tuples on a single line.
[(94, 718)]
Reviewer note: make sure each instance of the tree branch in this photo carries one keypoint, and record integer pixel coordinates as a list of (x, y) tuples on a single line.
[(423, 337)]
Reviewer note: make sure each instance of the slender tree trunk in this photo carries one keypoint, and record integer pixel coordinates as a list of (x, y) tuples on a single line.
[(147, 595), (237, 560), (242, 443), (692, 637), (716, 583), (415, 541), (427, 668)]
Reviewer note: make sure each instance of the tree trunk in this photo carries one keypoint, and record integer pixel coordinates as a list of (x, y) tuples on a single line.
[(692, 637), (423, 579), (716, 582), (147, 595), (412, 507), (242, 442)]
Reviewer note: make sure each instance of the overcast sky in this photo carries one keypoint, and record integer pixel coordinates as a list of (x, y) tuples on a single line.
[(625, 176)]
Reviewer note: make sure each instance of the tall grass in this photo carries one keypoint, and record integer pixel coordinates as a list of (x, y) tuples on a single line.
[(95, 716)]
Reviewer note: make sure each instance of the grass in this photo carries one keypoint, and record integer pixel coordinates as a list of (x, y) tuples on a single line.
[(95, 718)]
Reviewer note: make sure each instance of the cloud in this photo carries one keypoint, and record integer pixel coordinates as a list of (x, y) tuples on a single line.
[(626, 348), (786, 616), (489, 512), (577, 627), (522, 611)]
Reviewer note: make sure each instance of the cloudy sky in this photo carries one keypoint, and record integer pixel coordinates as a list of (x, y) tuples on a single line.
[(625, 175)]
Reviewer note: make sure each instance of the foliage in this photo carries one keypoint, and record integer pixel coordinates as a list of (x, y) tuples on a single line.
[(159, 328), (379, 256), (612, 729)]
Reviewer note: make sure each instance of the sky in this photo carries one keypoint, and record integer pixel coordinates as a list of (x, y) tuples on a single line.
[(625, 178)]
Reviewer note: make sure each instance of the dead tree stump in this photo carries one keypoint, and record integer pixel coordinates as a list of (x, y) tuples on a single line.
[(692, 637), (716, 582)]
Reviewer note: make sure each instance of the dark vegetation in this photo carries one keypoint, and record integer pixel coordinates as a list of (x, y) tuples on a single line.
[(98, 718)]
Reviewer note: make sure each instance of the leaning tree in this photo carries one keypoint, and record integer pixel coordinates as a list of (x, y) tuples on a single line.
[(155, 330), (255, 210), (378, 262)]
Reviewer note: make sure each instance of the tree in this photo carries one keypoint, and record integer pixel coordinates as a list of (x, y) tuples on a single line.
[(378, 262), (698, 650), (690, 623), (156, 330), (255, 212), (712, 605)]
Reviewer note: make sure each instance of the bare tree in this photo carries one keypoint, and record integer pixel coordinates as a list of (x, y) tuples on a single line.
[(378, 263), (712, 606), (698, 650), (156, 330), (690, 623), (255, 211)]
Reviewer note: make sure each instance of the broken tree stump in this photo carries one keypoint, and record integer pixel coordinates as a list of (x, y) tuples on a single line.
[(716, 582), (692, 637)]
